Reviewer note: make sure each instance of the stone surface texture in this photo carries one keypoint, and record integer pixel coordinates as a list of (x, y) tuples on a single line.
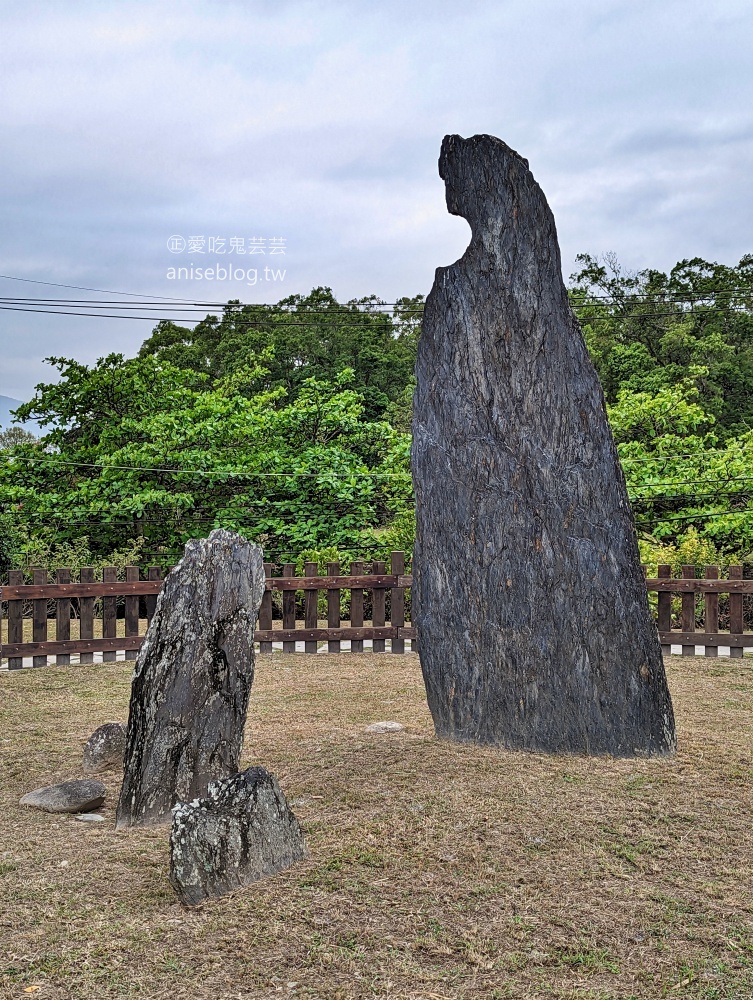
[(192, 680), (529, 600), (105, 747), (77, 796), (385, 727), (242, 831)]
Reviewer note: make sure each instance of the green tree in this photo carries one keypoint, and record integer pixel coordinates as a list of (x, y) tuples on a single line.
[(303, 337), (644, 330), (141, 449)]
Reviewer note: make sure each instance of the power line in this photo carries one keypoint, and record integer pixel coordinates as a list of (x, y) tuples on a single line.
[(83, 288), (207, 472), (700, 517)]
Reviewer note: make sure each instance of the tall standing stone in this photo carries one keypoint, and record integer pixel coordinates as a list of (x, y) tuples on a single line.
[(192, 679), (528, 598)]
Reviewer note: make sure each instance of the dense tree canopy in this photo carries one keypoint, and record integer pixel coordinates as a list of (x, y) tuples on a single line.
[(303, 337), (291, 423)]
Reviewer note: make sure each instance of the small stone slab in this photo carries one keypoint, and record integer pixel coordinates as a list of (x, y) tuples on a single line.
[(78, 796), (384, 727), (241, 832), (105, 747), (89, 817)]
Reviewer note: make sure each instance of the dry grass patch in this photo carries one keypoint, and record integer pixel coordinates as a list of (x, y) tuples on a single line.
[(436, 870)]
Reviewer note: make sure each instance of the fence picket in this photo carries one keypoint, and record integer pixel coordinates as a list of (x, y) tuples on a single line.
[(688, 611), (333, 608), (664, 607), (154, 573), (735, 610), (132, 611), (39, 621), (288, 609), (711, 610), (356, 607), (63, 618), (15, 619), (86, 613), (265, 611), (311, 609), (378, 607), (109, 613), (397, 602)]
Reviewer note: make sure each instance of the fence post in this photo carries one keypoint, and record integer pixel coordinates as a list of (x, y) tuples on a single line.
[(265, 611), (356, 607), (333, 608), (39, 626), (735, 611), (397, 601), (15, 618), (288, 609), (63, 618), (688, 610), (132, 611), (377, 604), (711, 610), (664, 608), (109, 613), (311, 607)]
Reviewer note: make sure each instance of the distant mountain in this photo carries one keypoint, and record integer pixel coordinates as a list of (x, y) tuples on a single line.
[(7, 403)]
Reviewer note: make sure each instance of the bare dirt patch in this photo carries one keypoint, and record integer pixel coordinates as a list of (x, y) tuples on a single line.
[(436, 870)]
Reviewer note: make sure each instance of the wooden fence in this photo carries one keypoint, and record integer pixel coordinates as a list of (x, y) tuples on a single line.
[(98, 603), (36, 598)]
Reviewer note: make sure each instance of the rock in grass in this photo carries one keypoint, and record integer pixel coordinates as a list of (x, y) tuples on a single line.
[(529, 601), (90, 818), (105, 747), (192, 680), (79, 796), (242, 831), (385, 727)]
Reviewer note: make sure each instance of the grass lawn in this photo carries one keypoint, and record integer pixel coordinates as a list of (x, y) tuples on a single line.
[(436, 870)]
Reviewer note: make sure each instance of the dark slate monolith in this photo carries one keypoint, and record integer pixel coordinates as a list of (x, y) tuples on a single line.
[(192, 679), (528, 597), (242, 831)]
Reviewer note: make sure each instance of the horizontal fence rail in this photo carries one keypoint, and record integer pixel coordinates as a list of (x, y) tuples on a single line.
[(682, 604)]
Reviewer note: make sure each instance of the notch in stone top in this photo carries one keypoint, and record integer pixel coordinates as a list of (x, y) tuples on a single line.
[(491, 186)]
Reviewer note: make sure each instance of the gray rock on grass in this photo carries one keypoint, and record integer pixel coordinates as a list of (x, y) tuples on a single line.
[(105, 747), (385, 727), (192, 680), (79, 796), (242, 831)]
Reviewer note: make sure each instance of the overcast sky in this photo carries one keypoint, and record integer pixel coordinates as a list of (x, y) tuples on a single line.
[(319, 124)]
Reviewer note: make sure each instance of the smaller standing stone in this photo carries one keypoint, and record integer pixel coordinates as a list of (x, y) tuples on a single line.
[(241, 832), (105, 747), (83, 795)]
